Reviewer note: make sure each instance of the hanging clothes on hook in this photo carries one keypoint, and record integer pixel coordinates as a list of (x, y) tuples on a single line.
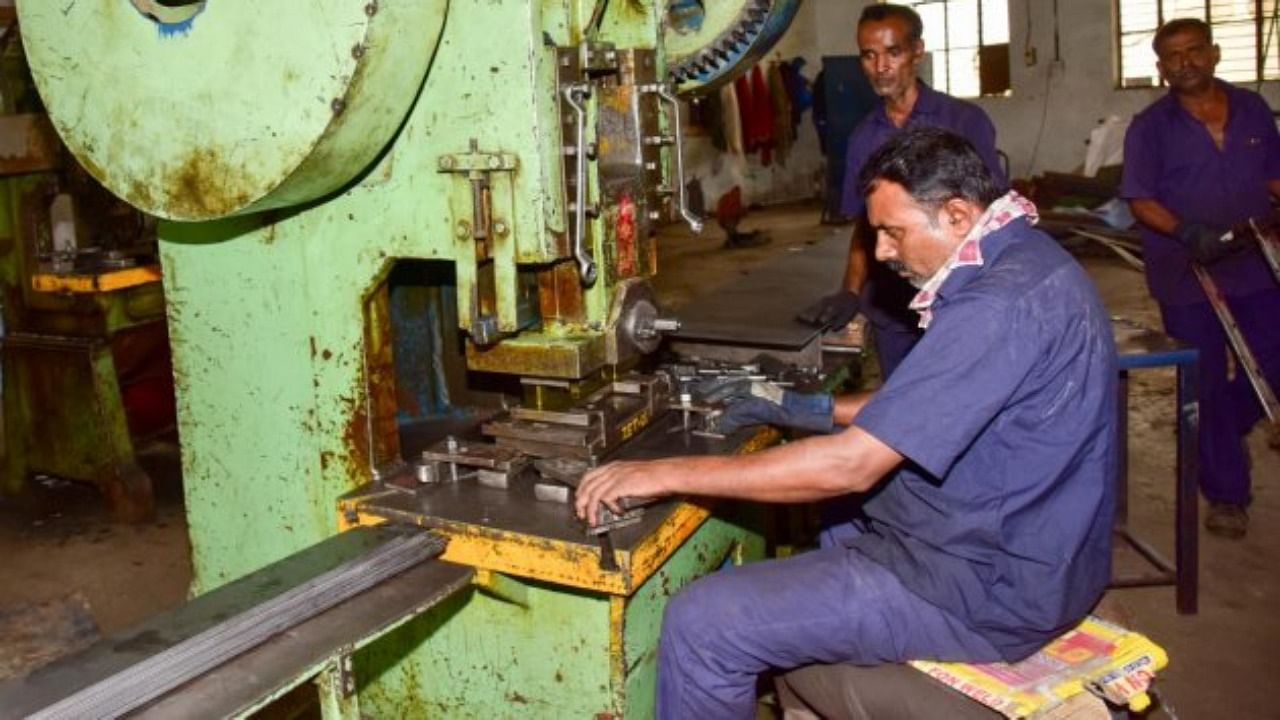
[(783, 130)]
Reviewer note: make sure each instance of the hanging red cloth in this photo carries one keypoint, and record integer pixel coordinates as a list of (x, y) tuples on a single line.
[(760, 132), (742, 88)]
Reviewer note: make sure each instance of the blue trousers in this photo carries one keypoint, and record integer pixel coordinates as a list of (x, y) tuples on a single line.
[(831, 605), (1228, 407)]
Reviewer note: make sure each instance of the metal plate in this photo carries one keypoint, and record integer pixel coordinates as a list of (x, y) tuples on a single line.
[(518, 510), (759, 308)]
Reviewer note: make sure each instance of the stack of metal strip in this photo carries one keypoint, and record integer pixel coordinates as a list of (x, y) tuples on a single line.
[(138, 684)]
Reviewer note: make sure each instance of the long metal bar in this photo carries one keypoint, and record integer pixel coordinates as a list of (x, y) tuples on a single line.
[(1269, 245), (138, 684), (1238, 343), (1187, 508), (1113, 245)]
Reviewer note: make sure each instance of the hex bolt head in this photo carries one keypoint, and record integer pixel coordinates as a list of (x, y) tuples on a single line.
[(446, 162), (495, 162), (500, 228)]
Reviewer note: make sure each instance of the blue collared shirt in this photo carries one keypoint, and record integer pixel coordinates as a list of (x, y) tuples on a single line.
[(1005, 412), (1170, 157)]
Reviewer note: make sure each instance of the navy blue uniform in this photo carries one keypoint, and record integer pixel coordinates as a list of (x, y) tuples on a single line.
[(991, 538), (1170, 157)]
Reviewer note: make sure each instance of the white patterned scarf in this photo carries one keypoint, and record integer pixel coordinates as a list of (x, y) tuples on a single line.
[(1001, 212)]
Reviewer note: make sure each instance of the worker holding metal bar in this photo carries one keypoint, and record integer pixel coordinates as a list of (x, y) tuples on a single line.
[(891, 48), (1198, 164), (988, 460)]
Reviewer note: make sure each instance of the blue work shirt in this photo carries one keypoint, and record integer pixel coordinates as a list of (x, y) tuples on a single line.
[(1005, 412), (889, 293), (1170, 157)]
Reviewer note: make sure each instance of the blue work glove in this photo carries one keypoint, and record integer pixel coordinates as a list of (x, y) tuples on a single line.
[(1207, 244), (769, 404), (833, 311)]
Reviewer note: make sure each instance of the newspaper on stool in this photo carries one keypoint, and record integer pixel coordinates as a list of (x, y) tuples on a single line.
[(1068, 678)]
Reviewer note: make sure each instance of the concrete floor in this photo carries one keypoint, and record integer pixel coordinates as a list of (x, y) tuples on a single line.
[(56, 540)]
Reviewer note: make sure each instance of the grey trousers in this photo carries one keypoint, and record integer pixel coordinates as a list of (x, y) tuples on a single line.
[(878, 692)]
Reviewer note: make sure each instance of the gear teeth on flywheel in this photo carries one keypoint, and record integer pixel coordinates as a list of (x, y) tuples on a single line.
[(725, 48)]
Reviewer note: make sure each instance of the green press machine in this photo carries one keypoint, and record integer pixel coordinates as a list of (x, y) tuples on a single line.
[(402, 239)]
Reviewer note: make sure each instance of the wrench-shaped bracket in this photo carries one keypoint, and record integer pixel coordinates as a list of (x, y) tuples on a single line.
[(574, 94)]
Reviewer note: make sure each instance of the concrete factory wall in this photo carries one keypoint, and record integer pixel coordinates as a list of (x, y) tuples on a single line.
[(1042, 126)]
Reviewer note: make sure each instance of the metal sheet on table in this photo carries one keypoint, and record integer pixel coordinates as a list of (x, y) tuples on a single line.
[(517, 510), (760, 308), (1139, 346)]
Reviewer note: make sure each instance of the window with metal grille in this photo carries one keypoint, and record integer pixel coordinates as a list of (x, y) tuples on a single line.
[(968, 41), (1247, 31)]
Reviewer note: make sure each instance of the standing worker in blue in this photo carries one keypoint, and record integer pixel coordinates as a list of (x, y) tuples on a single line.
[(891, 48), (1199, 162), (992, 450)]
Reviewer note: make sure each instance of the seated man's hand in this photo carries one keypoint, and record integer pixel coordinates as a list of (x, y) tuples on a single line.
[(1208, 244), (768, 404), (833, 311), (609, 484)]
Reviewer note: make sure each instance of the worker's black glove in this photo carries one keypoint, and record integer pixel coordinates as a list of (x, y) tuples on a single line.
[(1207, 244), (768, 404), (833, 311)]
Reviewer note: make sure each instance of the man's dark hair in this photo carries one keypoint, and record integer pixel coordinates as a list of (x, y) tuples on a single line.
[(933, 165), (1173, 27), (882, 12)]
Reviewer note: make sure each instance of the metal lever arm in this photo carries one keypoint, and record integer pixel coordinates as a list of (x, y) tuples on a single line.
[(695, 223), (574, 94)]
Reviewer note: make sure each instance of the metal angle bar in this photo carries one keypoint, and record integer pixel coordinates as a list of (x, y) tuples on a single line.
[(1247, 359), (145, 681), (1270, 246)]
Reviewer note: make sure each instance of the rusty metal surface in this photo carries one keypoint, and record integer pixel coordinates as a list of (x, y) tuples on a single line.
[(541, 355)]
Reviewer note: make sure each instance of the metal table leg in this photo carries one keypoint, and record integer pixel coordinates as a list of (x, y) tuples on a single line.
[(1188, 520), (1122, 429)]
